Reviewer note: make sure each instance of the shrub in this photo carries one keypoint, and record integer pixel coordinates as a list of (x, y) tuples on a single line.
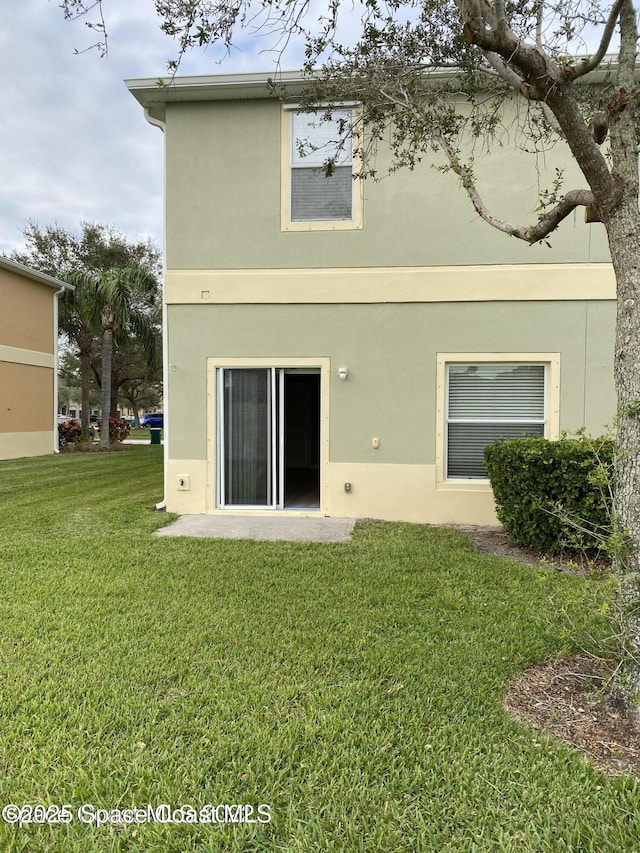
[(553, 494), (119, 429), (69, 432)]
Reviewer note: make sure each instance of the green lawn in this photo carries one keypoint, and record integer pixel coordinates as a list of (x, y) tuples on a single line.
[(140, 434), (353, 688)]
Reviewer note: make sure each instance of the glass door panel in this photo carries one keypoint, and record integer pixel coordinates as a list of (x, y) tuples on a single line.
[(247, 427)]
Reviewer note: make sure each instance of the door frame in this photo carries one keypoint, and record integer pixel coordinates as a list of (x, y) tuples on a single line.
[(322, 363)]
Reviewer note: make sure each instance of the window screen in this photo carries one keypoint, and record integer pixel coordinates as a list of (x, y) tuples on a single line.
[(487, 402), (314, 196)]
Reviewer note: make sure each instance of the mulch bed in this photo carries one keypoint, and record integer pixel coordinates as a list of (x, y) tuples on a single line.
[(568, 697), (493, 540)]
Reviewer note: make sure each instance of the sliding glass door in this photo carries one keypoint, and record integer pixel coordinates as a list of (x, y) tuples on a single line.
[(263, 414), (247, 431)]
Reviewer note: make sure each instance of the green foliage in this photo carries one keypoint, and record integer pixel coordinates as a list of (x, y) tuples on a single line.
[(549, 197), (68, 432), (554, 494), (94, 250)]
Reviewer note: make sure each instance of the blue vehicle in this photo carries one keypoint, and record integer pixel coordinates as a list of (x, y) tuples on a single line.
[(153, 419)]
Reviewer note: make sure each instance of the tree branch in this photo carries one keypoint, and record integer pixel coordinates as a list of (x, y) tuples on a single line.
[(74, 9), (622, 109), (519, 85), (551, 119), (599, 126), (550, 85), (546, 224), (509, 75), (500, 17), (628, 45), (473, 19), (588, 65)]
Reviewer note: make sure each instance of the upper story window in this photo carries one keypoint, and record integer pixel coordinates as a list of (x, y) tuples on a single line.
[(311, 198), (314, 193)]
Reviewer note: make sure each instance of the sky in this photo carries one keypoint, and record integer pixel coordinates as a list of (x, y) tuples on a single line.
[(74, 144)]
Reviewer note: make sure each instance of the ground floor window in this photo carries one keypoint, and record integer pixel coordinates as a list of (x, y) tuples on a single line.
[(268, 437), (486, 402)]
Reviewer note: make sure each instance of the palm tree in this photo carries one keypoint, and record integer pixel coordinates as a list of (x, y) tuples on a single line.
[(77, 320), (123, 297)]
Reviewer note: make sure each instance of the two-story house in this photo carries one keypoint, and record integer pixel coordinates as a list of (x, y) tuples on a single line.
[(28, 360), (349, 347)]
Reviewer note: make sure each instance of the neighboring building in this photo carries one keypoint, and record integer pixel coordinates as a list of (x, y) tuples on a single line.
[(349, 347), (28, 360)]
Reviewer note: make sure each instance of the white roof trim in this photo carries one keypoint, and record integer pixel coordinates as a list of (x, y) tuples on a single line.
[(34, 275)]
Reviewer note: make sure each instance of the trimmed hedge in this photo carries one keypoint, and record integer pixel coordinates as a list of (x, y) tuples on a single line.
[(553, 494)]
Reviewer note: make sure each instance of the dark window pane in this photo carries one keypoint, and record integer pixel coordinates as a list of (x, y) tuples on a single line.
[(314, 196)]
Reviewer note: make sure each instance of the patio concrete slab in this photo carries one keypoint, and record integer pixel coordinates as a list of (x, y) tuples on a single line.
[(271, 528)]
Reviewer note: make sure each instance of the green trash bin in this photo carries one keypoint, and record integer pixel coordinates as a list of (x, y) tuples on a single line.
[(155, 435)]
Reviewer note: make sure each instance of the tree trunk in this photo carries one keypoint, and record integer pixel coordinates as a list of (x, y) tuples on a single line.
[(85, 380), (113, 405), (623, 231), (105, 396), (133, 403)]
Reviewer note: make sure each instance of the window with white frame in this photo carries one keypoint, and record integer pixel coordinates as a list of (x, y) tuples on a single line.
[(315, 140), (486, 402)]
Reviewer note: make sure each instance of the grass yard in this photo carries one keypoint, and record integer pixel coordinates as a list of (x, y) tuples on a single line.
[(141, 434), (355, 688)]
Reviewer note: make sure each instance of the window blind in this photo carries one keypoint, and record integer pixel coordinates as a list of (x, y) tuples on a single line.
[(314, 196), (487, 402)]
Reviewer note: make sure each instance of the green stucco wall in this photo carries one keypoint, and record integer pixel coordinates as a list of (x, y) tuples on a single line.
[(223, 203), (391, 353)]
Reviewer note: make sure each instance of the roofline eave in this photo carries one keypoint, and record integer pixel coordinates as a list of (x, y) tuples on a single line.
[(34, 275)]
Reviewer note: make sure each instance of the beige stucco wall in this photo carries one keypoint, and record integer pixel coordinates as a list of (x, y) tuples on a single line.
[(26, 403), (473, 283), (26, 315), (15, 445), (223, 203), (389, 492), (26, 366)]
